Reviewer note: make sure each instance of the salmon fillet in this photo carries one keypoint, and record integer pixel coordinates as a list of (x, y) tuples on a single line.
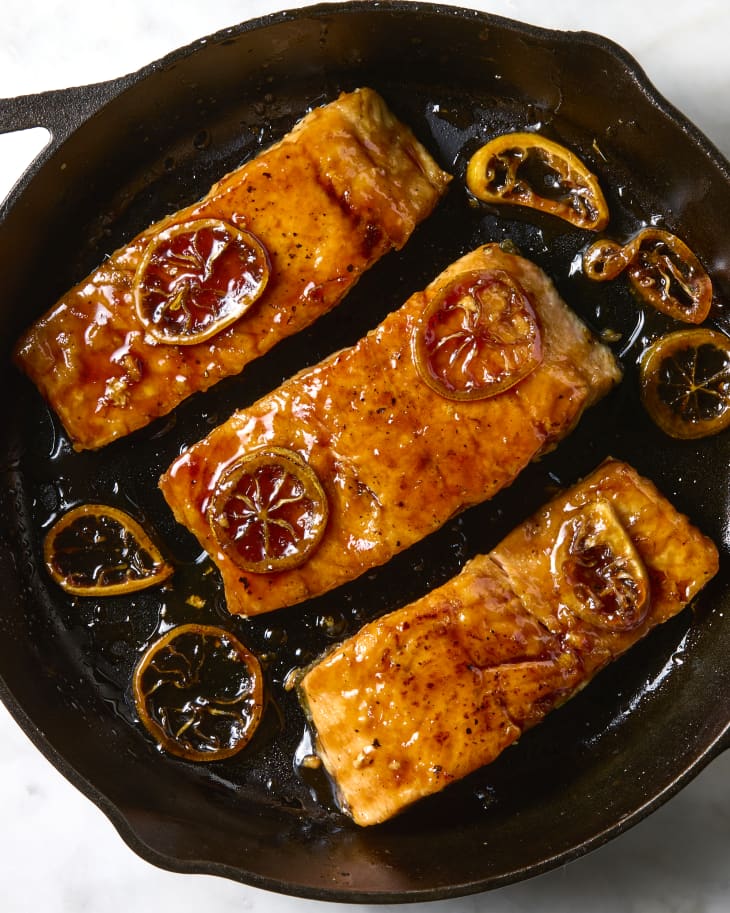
[(395, 458), (347, 185), (435, 690)]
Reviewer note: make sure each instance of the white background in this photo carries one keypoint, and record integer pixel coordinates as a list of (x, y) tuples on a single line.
[(58, 854)]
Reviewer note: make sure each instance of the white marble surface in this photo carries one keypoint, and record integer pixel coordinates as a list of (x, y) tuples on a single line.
[(58, 853)]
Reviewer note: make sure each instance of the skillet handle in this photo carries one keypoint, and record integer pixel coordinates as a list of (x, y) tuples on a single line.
[(60, 111)]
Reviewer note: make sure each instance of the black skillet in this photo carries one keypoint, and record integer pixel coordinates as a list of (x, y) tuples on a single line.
[(126, 152)]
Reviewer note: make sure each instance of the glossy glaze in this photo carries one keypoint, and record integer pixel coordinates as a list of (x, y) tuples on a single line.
[(425, 695), (498, 824), (347, 185), (199, 692), (527, 169), (663, 271), (395, 457)]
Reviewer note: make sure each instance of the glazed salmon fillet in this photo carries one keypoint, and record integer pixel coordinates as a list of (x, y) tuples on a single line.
[(394, 456), (347, 185), (435, 690)]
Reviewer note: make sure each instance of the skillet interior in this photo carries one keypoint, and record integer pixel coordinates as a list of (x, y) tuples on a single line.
[(596, 765)]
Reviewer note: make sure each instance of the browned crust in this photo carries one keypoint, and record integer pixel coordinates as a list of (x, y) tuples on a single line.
[(395, 458), (347, 185), (429, 693)]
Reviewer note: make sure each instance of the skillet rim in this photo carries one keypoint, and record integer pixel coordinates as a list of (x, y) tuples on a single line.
[(99, 96)]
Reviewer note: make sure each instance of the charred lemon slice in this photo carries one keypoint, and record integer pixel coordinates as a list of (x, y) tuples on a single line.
[(477, 337), (685, 382), (96, 550), (665, 273), (599, 574), (199, 692), (530, 170), (197, 278), (269, 511)]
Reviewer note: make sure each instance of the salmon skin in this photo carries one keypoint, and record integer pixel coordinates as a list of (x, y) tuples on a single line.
[(348, 184), (395, 458), (435, 690)]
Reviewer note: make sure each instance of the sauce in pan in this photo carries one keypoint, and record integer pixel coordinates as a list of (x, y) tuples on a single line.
[(105, 637)]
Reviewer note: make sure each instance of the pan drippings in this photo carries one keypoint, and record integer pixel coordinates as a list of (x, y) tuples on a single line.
[(106, 636)]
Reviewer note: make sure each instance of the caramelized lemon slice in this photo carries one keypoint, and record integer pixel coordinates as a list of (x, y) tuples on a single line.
[(199, 692), (96, 550), (531, 170), (664, 272), (685, 382), (196, 278), (269, 511), (477, 337), (599, 574)]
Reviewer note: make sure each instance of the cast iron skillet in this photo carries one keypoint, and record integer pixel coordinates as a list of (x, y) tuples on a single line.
[(124, 153)]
